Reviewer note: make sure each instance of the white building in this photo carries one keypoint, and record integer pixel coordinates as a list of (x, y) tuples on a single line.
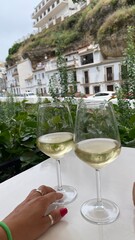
[(2, 78), (51, 12), (92, 73), (19, 77), (13, 81), (95, 74), (25, 72), (40, 83)]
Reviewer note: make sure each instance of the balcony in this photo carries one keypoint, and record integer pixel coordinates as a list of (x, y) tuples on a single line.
[(72, 63), (53, 11), (85, 84), (15, 73), (39, 82), (40, 66), (29, 78), (50, 65), (42, 9), (17, 84)]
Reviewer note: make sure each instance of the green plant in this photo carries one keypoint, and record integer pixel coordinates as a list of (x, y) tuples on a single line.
[(128, 65), (18, 124), (115, 21), (126, 122), (14, 48), (125, 112), (59, 82)]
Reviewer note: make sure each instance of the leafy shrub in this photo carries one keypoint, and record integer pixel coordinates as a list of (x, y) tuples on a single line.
[(14, 48), (18, 126), (115, 21), (125, 115)]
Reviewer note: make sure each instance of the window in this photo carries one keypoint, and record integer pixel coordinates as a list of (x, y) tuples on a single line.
[(43, 75), (96, 89), (35, 77), (71, 89), (41, 91), (109, 74), (110, 88), (124, 72), (86, 77), (48, 9), (75, 77), (44, 90), (101, 94), (86, 59), (87, 90), (53, 5)]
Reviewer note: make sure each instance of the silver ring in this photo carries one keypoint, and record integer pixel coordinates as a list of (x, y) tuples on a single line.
[(39, 191), (51, 219)]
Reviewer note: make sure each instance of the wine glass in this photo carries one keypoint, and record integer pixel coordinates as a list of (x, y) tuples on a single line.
[(97, 143), (55, 139)]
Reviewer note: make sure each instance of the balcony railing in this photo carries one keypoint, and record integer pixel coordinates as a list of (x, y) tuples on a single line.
[(14, 73), (39, 82), (44, 18)]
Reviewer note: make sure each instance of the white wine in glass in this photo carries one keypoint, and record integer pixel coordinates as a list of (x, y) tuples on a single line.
[(97, 142), (55, 139)]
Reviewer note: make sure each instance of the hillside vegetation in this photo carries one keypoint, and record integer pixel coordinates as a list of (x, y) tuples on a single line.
[(103, 21)]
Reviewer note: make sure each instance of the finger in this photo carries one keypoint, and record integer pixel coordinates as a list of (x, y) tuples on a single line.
[(43, 190), (46, 189), (51, 197), (55, 216)]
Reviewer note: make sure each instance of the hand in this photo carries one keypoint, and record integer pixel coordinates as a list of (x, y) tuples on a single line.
[(28, 220)]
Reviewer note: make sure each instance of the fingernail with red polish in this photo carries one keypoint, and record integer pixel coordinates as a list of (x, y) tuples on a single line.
[(63, 212)]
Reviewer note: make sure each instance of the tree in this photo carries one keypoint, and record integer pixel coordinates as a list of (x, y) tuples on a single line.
[(128, 66), (62, 70), (60, 81), (125, 112)]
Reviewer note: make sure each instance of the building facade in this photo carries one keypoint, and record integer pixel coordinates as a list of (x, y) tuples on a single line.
[(92, 73), (51, 12), (96, 74), (2, 79), (19, 77)]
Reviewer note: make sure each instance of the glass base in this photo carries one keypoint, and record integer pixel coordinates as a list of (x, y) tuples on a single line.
[(69, 195), (106, 212)]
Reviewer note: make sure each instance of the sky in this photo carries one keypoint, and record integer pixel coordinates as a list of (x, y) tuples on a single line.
[(15, 22)]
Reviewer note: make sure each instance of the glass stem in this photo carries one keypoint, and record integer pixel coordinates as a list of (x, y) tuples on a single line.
[(98, 183), (59, 187)]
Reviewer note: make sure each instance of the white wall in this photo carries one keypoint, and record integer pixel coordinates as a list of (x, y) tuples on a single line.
[(25, 71), (96, 71), (97, 75)]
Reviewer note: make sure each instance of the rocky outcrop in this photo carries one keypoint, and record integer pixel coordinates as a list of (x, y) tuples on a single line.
[(106, 24)]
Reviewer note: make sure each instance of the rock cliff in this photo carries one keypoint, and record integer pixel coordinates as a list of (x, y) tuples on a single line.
[(103, 21)]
